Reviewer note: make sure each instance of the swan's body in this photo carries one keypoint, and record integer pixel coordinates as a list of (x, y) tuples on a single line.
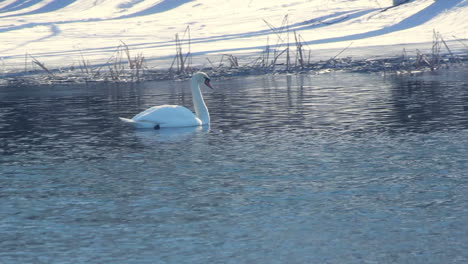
[(174, 115)]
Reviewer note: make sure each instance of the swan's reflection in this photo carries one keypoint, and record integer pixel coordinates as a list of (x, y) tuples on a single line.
[(150, 136)]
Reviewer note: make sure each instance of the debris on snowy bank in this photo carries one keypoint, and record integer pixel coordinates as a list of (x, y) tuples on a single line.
[(117, 73), (122, 67)]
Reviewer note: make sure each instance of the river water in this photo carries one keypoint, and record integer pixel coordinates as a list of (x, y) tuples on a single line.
[(334, 168)]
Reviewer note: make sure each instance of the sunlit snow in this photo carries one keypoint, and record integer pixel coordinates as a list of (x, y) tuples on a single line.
[(59, 32)]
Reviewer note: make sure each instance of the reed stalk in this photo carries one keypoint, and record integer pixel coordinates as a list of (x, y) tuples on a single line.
[(299, 56), (40, 64), (435, 51)]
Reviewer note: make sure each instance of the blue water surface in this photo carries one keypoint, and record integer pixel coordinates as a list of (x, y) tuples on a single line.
[(334, 168)]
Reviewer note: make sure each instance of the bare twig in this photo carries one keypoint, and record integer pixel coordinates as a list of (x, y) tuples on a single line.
[(435, 51), (267, 51), (448, 49), (299, 50), (232, 60), (40, 64), (276, 58), (131, 63), (212, 65), (342, 51), (460, 41)]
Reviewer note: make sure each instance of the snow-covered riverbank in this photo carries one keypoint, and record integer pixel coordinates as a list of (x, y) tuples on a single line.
[(82, 33)]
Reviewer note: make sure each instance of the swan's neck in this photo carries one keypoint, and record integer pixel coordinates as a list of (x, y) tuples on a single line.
[(200, 107)]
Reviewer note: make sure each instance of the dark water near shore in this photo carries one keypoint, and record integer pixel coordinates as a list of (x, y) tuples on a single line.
[(338, 168)]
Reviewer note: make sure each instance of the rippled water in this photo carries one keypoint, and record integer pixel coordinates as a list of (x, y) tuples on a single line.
[(338, 168)]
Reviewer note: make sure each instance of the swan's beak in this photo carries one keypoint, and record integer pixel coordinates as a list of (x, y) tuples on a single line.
[(207, 83)]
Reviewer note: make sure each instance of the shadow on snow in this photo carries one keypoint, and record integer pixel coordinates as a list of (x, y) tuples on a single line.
[(417, 19), (50, 7)]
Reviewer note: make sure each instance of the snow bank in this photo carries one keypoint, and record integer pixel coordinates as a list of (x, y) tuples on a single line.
[(62, 32)]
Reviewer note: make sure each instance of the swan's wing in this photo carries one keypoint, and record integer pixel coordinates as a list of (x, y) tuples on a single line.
[(168, 116), (149, 111), (138, 124)]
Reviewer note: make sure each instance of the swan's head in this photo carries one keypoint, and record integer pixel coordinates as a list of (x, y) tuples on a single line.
[(201, 77)]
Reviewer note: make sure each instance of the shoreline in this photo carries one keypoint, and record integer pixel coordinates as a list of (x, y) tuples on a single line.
[(125, 72)]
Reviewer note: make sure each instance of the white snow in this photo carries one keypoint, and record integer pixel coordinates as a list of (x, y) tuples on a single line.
[(57, 32)]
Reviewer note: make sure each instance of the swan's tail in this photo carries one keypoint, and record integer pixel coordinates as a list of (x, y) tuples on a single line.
[(139, 123)]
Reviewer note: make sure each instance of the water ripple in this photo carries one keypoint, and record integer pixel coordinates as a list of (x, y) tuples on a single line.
[(338, 168)]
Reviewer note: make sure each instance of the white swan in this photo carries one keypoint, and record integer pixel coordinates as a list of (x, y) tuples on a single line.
[(175, 115)]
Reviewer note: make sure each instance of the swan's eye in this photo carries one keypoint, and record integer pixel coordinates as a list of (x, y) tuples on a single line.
[(207, 79)]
